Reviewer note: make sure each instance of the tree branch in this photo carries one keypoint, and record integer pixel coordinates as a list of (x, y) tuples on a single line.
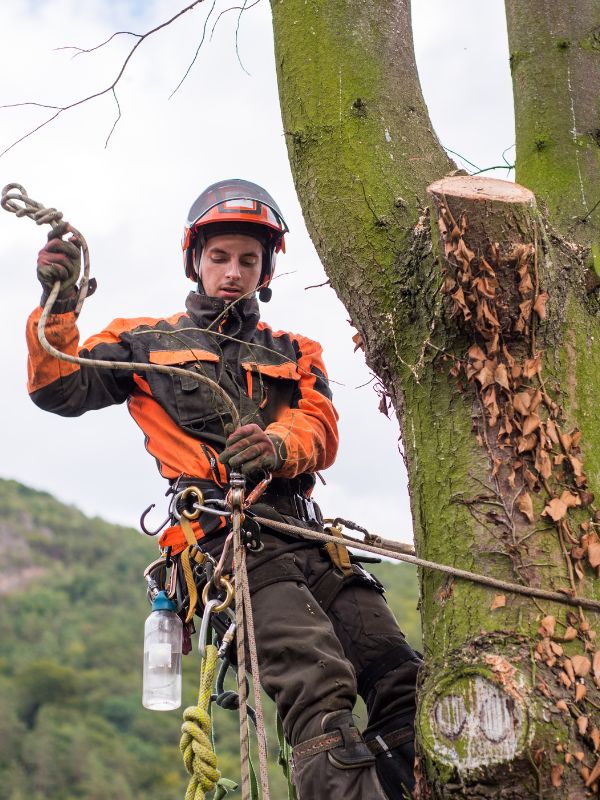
[(109, 89)]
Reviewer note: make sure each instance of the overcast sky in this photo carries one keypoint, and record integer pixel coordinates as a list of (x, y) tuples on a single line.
[(130, 200)]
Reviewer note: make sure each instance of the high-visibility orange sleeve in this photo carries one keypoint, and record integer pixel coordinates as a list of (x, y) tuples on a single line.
[(309, 430), (68, 389)]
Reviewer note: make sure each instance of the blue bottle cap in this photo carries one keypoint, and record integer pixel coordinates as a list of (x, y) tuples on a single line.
[(162, 602)]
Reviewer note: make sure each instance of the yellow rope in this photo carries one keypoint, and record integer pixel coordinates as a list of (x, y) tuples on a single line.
[(196, 741)]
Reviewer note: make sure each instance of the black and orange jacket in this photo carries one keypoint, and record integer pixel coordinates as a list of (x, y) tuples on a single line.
[(276, 379)]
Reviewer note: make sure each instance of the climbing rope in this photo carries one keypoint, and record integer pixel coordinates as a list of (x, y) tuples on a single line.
[(397, 551), (196, 740), (245, 629)]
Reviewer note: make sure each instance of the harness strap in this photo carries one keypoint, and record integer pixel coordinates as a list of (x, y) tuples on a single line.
[(384, 744), (369, 676), (338, 553)]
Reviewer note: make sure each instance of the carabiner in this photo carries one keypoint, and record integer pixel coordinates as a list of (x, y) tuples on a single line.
[(204, 626), (143, 522)]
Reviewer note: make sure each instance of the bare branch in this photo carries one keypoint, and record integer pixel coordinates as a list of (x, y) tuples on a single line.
[(231, 8), (111, 88), (81, 50), (193, 61), (237, 31), (115, 122)]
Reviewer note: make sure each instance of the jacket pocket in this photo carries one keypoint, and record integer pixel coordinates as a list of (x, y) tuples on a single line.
[(271, 386), (193, 402)]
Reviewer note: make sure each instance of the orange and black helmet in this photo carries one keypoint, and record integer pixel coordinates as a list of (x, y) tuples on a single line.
[(235, 206)]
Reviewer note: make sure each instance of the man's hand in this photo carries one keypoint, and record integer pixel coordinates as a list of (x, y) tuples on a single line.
[(59, 260), (250, 449)]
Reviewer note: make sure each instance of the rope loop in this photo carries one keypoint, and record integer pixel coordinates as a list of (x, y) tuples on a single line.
[(196, 740), (13, 194)]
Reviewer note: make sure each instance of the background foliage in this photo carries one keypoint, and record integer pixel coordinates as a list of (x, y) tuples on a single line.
[(73, 606)]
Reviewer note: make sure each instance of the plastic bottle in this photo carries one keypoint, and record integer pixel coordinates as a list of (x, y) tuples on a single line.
[(163, 634)]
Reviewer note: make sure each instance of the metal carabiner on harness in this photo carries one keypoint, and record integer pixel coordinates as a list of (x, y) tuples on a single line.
[(205, 625)]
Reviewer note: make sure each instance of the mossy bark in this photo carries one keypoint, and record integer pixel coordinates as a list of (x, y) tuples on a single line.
[(555, 64), (362, 153)]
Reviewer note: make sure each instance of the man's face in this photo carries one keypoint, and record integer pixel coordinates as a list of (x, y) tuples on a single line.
[(230, 266)]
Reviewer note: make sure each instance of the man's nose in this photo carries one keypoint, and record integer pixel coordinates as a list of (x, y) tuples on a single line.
[(233, 268)]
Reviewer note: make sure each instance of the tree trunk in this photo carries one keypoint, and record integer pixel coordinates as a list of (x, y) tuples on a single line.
[(488, 345)]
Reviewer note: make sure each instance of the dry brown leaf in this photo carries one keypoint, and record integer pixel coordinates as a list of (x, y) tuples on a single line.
[(570, 500), (530, 479), (475, 353), (485, 376), (565, 440), (551, 431), (570, 634), (582, 724), (568, 668), (547, 626), (531, 424), (525, 506), (532, 366), (499, 601), (556, 774), (576, 466), (581, 665), (556, 649), (594, 774), (521, 403), (358, 342), (580, 692), (561, 705), (540, 305), (596, 663), (459, 298), (525, 285), (555, 509), (526, 443), (543, 464), (594, 554), (595, 737), (501, 377)]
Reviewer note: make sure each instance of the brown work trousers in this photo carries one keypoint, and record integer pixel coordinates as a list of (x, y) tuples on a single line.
[(309, 660)]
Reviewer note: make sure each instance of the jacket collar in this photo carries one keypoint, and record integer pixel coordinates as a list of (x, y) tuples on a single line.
[(240, 319)]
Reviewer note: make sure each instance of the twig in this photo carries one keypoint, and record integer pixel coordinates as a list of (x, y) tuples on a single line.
[(318, 285), (231, 8), (81, 50), (111, 88), (193, 61)]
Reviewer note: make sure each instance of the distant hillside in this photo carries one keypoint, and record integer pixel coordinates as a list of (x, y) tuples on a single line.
[(73, 606)]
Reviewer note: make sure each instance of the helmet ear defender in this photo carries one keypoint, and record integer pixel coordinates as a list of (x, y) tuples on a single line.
[(235, 206)]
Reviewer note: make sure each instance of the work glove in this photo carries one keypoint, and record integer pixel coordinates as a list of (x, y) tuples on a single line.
[(250, 449), (59, 260)]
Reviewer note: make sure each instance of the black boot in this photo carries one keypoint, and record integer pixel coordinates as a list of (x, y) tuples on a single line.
[(392, 742)]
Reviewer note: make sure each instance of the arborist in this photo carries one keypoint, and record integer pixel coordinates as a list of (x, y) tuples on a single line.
[(324, 631)]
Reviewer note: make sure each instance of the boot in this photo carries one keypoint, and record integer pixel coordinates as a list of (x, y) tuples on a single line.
[(393, 744)]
